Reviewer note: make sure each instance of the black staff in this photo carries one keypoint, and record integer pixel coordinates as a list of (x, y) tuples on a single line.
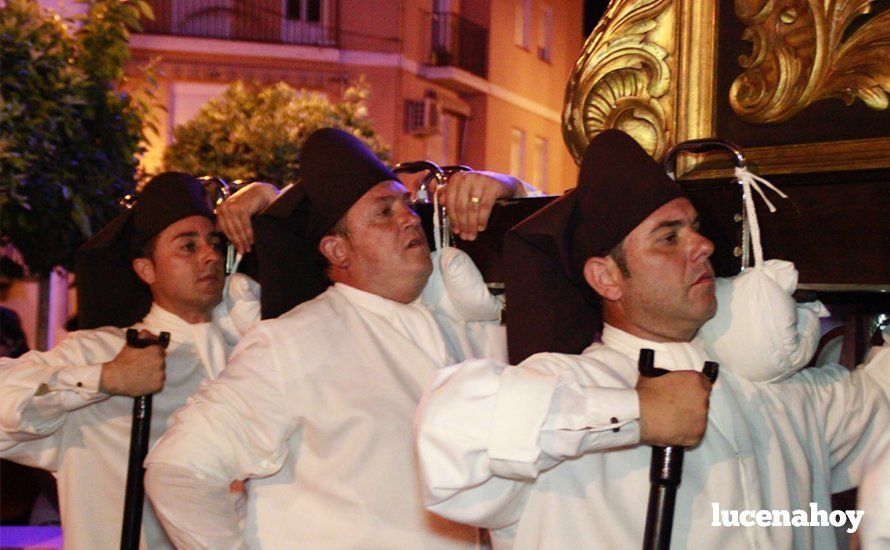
[(139, 434), (665, 471)]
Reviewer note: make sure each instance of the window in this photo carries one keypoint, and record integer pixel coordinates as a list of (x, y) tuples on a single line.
[(187, 98), (306, 22), (443, 147), (539, 163), (517, 153), (303, 10), (523, 29), (545, 33)]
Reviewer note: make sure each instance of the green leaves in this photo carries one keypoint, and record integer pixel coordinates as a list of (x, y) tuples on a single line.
[(257, 133), (69, 141)]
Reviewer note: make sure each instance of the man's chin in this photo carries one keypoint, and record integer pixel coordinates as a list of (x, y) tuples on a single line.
[(212, 299), (710, 309)]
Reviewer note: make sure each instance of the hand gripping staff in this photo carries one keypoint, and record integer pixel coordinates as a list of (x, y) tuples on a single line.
[(139, 434), (666, 469)]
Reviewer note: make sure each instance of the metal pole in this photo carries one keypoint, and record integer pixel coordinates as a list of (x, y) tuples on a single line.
[(665, 470), (139, 435)]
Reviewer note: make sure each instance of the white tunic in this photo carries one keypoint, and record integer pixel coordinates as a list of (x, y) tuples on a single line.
[(521, 450), (874, 492), (316, 407), (82, 435)]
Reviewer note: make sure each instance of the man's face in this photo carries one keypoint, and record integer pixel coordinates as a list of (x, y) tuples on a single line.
[(185, 271), (670, 291), (386, 249)]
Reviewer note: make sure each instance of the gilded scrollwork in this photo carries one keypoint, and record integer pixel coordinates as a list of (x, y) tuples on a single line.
[(617, 81), (805, 51)]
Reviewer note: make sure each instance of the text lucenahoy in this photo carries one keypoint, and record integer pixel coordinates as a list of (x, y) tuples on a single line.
[(814, 517)]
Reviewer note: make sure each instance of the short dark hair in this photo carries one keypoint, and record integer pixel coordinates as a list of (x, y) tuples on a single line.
[(148, 249), (617, 254), (340, 229), (620, 259)]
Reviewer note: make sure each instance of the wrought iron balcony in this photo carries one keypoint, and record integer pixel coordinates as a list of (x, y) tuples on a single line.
[(458, 42), (303, 22)]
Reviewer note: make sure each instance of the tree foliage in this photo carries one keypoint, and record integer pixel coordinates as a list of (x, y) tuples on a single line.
[(68, 138), (255, 133)]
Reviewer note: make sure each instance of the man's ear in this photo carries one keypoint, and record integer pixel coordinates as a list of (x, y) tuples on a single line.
[(603, 276), (145, 270), (334, 248)]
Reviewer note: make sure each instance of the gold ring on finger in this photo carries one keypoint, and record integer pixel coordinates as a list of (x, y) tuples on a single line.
[(474, 200)]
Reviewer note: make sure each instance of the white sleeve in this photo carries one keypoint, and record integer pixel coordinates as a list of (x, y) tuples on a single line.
[(240, 308), (207, 523), (486, 430), (234, 428), (38, 389), (854, 411), (525, 189), (877, 367), (874, 498)]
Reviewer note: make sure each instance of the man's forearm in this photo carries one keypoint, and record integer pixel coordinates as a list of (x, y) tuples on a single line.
[(485, 431), (35, 398)]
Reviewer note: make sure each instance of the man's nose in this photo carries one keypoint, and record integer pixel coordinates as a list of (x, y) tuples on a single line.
[(407, 216), (210, 253), (702, 247)]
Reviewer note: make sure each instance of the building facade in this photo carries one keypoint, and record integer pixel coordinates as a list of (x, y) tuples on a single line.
[(476, 82)]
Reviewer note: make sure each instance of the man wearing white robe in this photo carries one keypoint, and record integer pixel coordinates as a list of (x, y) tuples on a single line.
[(315, 407), (69, 410), (527, 452)]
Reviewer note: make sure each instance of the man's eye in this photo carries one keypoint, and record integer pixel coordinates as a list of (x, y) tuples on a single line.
[(189, 247), (670, 238), (385, 211)]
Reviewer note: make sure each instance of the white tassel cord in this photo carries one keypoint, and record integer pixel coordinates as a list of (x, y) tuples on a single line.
[(750, 181)]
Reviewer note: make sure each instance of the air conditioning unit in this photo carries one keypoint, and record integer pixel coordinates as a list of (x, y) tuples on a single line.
[(422, 117)]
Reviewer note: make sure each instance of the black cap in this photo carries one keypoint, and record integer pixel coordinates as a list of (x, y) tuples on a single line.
[(166, 199), (550, 307), (336, 169), (108, 290)]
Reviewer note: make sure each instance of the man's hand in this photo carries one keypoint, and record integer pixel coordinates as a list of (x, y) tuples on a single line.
[(673, 408), (470, 196), (233, 215), (135, 371)]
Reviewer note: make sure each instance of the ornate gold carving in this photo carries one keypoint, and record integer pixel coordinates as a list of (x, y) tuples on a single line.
[(801, 53), (618, 80)]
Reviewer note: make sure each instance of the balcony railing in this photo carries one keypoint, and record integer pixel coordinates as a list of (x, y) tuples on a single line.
[(458, 42), (255, 21)]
